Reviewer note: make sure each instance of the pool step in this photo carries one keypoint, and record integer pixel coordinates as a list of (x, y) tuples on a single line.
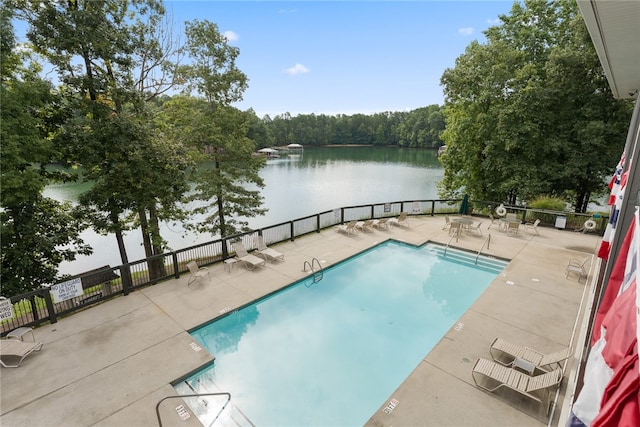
[(493, 265)]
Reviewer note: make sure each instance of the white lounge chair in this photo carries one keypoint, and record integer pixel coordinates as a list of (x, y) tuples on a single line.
[(349, 229), (512, 227), (476, 228), (250, 261), (16, 349), (447, 222), (401, 220), (365, 226), (492, 376), (507, 353), (197, 273), (267, 252), (380, 224)]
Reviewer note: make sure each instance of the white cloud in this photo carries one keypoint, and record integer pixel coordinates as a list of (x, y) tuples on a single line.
[(493, 21), (467, 31), (296, 69), (231, 36)]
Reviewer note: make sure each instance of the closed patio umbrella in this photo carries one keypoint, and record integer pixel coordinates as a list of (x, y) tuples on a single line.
[(464, 206)]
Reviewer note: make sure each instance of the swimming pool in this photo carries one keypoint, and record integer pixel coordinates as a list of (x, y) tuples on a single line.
[(331, 352)]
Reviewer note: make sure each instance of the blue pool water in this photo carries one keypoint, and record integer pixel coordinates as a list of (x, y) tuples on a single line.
[(330, 353)]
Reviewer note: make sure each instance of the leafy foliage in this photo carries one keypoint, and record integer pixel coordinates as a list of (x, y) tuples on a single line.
[(36, 233), (530, 112)]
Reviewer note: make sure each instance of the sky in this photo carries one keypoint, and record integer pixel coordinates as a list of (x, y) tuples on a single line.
[(344, 57)]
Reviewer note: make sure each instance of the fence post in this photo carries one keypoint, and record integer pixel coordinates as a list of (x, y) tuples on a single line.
[(127, 284), (176, 266), (318, 223), (291, 230), (47, 300)]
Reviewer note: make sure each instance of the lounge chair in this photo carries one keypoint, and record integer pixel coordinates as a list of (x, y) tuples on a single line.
[(365, 226), (578, 267), (532, 226), (197, 273), (507, 353), (400, 220), (16, 349), (381, 223), (492, 376), (250, 261), (349, 229), (268, 253)]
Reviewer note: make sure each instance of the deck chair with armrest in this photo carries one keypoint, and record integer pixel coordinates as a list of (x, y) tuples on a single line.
[(506, 354), (401, 220), (380, 224), (197, 273), (349, 228), (270, 254), (17, 350), (365, 226), (447, 222), (578, 267), (532, 226), (512, 227), (250, 261), (492, 376)]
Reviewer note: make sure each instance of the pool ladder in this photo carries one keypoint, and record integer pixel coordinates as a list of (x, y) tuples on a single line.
[(318, 273), (487, 242)]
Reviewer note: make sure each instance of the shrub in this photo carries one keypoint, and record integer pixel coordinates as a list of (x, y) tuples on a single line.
[(548, 203)]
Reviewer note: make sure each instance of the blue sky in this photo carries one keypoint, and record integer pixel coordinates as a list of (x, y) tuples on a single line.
[(339, 57)]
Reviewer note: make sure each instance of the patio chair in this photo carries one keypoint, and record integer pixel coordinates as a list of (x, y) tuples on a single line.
[(197, 273), (447, 222), (250, 261), (365, 226), (532, 226), (491, 376), (476, 228), (381, 223), (507, 354), (268, 253), (512, 227), (400, 220), (349, 229), (455, 229), (578, 267), (16, 349), (493, 221)]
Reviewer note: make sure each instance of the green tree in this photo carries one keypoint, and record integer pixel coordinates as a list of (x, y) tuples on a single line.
[(113, 57), (36, 232), (530, 113), (219, 131)]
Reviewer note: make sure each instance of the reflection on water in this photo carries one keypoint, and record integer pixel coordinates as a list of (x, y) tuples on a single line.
[(318, 180)]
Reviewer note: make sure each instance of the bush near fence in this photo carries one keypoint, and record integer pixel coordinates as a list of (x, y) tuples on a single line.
[(37, 307)]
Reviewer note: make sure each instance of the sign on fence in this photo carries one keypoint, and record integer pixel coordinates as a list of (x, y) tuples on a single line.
[(67, 290), (6, 308), (387, 207)]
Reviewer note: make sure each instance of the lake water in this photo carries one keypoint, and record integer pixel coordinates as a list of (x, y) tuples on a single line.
[(318, 180)]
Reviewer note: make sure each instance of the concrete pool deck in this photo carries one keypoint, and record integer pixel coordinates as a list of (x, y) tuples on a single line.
[(111, 364)]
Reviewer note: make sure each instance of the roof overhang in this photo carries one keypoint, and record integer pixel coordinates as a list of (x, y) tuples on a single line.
[(614, 26)]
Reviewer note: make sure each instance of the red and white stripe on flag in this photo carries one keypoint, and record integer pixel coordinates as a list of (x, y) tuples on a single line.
[(610, 395), (605, 245)]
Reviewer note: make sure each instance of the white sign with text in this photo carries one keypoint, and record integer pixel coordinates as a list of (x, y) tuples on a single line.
[(6, 309), (67, 290)]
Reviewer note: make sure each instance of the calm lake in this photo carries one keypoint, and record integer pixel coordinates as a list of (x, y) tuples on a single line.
[(296, 186)]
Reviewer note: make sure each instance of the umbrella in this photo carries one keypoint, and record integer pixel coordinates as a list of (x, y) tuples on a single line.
[(464, 206)]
